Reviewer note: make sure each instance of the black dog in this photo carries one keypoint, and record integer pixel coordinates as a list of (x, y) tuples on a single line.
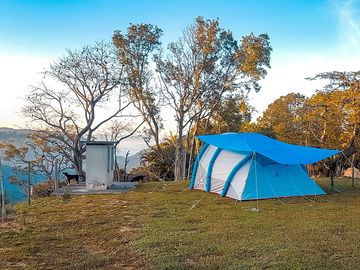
[(72, 176), (137, 178)]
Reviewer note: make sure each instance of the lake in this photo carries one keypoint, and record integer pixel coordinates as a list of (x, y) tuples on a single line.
[(12, 191)]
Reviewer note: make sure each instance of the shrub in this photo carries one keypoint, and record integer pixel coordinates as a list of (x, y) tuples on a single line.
[(44, 189)]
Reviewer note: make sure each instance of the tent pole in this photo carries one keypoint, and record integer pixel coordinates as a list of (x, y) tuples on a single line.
[(256, 181)]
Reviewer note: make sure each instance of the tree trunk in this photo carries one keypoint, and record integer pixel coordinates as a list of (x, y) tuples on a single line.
[(190, 164), (353, 171), (56, 178), (184, 154), (78, 163), (332, 179), (125, 164), (179, 162), (28, 182)]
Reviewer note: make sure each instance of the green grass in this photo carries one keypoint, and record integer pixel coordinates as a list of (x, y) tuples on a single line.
[(166, 226)]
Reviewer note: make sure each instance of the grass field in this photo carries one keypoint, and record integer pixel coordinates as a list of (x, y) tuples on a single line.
[(166, 226)]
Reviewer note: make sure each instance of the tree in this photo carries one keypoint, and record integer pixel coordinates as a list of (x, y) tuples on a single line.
[(339, 80), (332, 120), (203, 65), (47, 158), (15, 156), (344, 91), (328, 119), (232, 113), (282, 118), (134, 50), (66, 105), (160, 166)]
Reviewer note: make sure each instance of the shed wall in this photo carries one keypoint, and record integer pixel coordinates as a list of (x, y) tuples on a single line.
[(99, 166)]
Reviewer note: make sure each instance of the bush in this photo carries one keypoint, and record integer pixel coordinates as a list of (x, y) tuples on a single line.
[(44, 189)]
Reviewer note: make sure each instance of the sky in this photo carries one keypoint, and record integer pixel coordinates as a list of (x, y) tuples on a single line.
[(307, 37)]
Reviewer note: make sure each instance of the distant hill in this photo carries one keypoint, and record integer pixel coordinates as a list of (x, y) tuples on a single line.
[(14, 136), (134, 161)]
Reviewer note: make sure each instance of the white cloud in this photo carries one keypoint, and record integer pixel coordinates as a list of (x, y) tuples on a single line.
[(288, 72), (349, 26), (289, 75), (17, 72), (132, 144)]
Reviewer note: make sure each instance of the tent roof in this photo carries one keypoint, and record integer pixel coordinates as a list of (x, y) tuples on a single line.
[(280, 152)]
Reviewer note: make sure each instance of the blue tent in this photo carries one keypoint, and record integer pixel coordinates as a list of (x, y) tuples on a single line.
[(248, 166)]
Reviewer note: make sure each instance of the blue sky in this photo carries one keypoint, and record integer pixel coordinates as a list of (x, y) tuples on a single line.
[(45, 28), (307, 37)]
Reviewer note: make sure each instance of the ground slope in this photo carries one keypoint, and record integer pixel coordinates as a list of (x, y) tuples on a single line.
[(166, 226)]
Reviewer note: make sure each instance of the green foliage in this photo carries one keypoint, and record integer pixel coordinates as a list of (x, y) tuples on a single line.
[(281, 118), (159, 165), (135, 49), (16, 158), (338, 106), (47, 155), (203, 66), (328, 119), (230, 116), (254, 56), (339, 80)]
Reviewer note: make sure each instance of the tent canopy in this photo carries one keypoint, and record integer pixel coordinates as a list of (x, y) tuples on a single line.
[(248, 166), (280, 152)]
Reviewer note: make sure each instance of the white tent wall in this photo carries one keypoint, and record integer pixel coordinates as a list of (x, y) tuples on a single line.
[(200, 179), (238, 183), (223, 165)]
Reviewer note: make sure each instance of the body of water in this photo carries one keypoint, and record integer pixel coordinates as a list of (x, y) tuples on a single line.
[(12, 191)]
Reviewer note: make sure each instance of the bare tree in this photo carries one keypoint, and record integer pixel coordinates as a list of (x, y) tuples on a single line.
[(67, 104), (126, 161), (201, 67), (15, 156), (47, 156), (50, 159), (116, 131)]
